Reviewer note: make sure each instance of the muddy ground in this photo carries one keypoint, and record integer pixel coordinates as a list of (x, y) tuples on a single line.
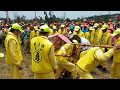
[(27, 74)]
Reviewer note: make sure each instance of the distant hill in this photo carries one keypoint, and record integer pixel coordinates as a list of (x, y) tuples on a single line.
[(106, 17)]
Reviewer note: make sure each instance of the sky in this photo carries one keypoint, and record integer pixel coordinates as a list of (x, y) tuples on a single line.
[(69, 14)]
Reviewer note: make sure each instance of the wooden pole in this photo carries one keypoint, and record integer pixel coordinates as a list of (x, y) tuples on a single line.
[(102, 46)]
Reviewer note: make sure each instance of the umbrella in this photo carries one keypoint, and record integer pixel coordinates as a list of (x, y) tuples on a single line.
[(62, 37)]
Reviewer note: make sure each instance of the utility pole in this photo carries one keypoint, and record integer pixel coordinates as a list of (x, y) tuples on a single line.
[(35, 14), (7, 16), (64, 15)]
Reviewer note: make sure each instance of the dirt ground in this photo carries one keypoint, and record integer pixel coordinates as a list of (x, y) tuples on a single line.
[(27, 74)]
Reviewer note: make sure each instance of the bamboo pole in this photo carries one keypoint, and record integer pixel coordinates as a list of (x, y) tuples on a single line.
[(102, 46), (63, 55)]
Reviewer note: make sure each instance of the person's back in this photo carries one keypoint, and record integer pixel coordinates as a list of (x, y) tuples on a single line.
[(43, 57), (40, 47), (91, 59)]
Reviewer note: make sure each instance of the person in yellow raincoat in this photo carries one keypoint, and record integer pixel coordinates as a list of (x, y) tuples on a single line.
[(34, 32), (90, 35), (62, 30), (13, 51), (78, 32), (43, 57), (115, 68), (89, 61), (53, 30), (66, 62), (106, 39), (97, 35)]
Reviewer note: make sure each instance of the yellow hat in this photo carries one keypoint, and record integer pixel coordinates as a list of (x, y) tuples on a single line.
[(44, 28), (104, 27), (54, 27), (17, 27), (91, 28), (96, 25), (76, 28), (62, 26), (116, 32)]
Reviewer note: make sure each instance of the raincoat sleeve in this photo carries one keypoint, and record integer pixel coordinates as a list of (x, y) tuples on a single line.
[(13, 52), (100, 55), (110, 40), (52, 57)]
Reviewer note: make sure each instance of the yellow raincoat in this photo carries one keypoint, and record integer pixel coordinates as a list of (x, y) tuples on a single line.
[(97, 37), (52, 33), (64, 32), (89, 61), (34, 34), (106, 39), (65, 62), (43, 58), (90, 36), (115, 69), (13, 54), (80, 34)]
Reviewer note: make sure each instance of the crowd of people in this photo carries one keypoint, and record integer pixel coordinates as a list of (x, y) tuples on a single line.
[(59, 48)]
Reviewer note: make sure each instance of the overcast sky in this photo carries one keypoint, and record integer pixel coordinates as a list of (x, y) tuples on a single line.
[(69, 14)]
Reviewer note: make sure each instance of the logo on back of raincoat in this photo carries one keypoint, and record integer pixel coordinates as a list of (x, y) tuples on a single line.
[(37, 54)]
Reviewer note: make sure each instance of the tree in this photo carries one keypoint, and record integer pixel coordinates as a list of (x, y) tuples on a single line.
[(47, 20), (67, 20)]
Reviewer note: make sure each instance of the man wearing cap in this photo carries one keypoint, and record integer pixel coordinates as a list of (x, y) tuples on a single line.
[(91, 59), (78, 32), (89, 35), (13, 51), (115, 68), (62, 30), (43, 57), (53, 30), (97, 34), (106, 38)]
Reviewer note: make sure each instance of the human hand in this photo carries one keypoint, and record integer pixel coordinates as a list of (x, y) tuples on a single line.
[(116, 46)]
